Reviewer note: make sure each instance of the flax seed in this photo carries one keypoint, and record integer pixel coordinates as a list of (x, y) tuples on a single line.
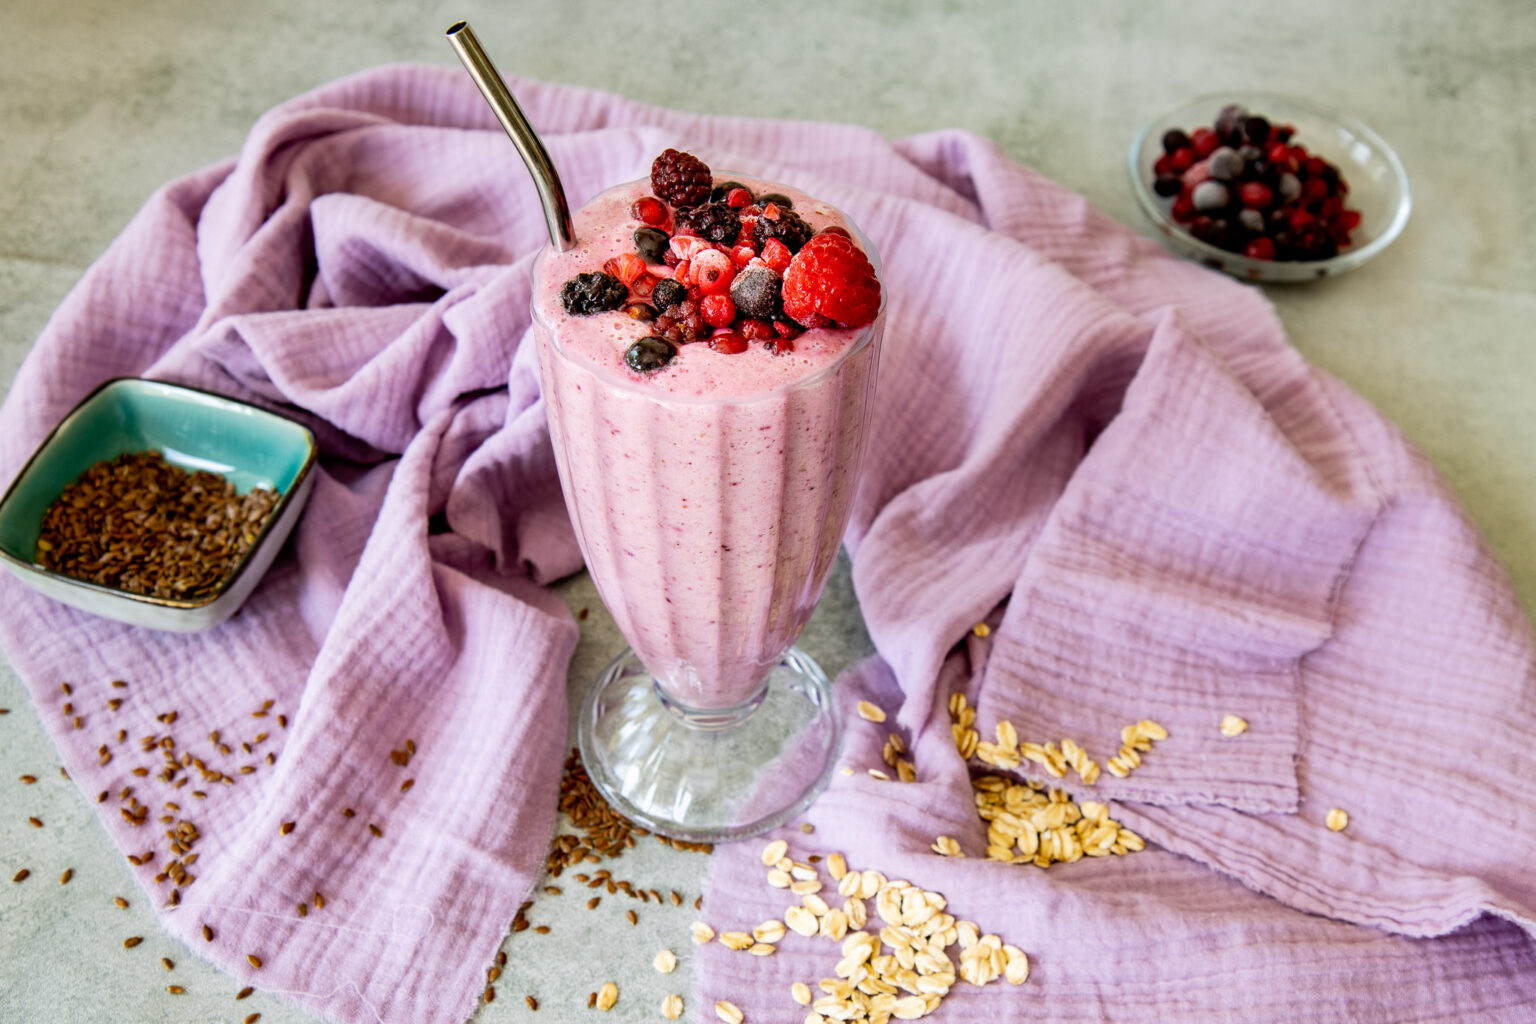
[(490, 994), (66, 876), (631, 917), (167, 963), (254, 960), (21, 876), (175, 990), (285, 828), (243, 993), (207, 934), (533, 1004), (252, 1018), (593, 902), (378, 832), (132, 940)]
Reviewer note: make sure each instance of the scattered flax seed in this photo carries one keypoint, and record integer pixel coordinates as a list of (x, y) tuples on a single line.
[(593, 902), (35, 822), (285, 828), (121, 903), (870, 712), (252, 1018), (672, 1006), (347, 812), (132, 940), (501, 958), (542, 929), (407, 784), (167, 963), (5, 711), (533, 1004), (175, 990), (21, 876), (254, 960), (729, 1012), (490, 994), (807, 827), (591, 1000), (376, 830), (66, 876), (1337, 820), (552, 890), (319, 901), (677, 898), (492, 974), (631, 917), (1232, 725), (27, 779), (244, 993), (303, 910), (607, 996), (207, 934), (665, 961), (66, 689)]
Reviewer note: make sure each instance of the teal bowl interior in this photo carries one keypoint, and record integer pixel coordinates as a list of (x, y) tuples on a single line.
[(192, 429)]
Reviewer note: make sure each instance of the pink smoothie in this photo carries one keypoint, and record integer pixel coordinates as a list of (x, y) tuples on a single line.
[(710, 496)]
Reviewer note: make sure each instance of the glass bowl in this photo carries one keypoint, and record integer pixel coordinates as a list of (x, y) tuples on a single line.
[(193, 429), (1378, 185)]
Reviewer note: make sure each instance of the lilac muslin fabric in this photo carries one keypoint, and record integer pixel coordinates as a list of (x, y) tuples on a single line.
[(1110, 455)]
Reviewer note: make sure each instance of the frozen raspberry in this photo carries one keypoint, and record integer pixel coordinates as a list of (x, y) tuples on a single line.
[(784, 224), (1255, 195), (831, 277), (737, 198), (756, 293), (682, 323), (585, 294), (681, 179), (649, 354), (722, 190), (626, 266), (686, 247), (717, 222)]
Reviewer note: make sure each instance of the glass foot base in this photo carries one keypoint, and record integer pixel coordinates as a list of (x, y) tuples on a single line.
[(711, 775)]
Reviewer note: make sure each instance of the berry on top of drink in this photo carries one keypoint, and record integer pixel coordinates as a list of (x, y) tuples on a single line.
[(1245, 185), (734, 268)]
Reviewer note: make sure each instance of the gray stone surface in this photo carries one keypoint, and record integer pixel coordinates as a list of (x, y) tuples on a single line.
[(102, 102)]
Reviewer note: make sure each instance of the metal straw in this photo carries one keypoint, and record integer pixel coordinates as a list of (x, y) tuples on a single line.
[(557, 212)]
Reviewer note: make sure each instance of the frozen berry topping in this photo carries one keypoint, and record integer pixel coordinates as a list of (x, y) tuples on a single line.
[(585, 294), (756, 293), (716, 262), (782, 223), (1244, 184), (830, 279), (717, 222), (649, 354), (681, 179)]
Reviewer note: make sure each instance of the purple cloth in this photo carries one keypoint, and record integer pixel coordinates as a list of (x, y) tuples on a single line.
[(1110, 454)]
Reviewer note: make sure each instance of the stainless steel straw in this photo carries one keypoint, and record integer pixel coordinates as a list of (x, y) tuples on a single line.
[(557, 212)]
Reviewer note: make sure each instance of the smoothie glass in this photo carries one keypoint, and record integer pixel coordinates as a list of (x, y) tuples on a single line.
[(709, 523)]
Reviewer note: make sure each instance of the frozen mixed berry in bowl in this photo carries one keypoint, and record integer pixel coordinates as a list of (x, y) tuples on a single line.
[(1268, 188)]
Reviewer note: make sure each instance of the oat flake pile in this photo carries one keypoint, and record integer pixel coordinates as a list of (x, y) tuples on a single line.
[(1103, 492)]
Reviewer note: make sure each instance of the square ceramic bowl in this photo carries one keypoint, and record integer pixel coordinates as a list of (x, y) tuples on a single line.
[(192, 429), (1378, 184)]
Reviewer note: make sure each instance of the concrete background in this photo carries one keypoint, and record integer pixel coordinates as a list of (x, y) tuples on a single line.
[(101, 102)]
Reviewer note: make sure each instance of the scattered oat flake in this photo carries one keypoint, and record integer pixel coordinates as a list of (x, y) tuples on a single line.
[(701, 932), (672, 1006), (800, 992), (774, 852), (1338, 820), (807, 828), (870, 712), (1232, 725), (729, 1012), (665, 961), (607, 996)]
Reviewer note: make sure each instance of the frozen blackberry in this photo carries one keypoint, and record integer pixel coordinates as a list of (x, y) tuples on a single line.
[(668, 293), (778, 199), (756, 291), (787, 227), (592, 293), (649, 354), (651, 244), (716, 222), (681, 179)]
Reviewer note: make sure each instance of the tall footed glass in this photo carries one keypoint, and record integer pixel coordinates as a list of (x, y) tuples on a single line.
[(709, 499)]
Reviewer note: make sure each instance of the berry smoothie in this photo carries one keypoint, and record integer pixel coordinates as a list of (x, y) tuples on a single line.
[(708, 355)]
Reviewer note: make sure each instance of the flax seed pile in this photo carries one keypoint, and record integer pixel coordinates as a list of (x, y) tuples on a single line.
[(140, 524)]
